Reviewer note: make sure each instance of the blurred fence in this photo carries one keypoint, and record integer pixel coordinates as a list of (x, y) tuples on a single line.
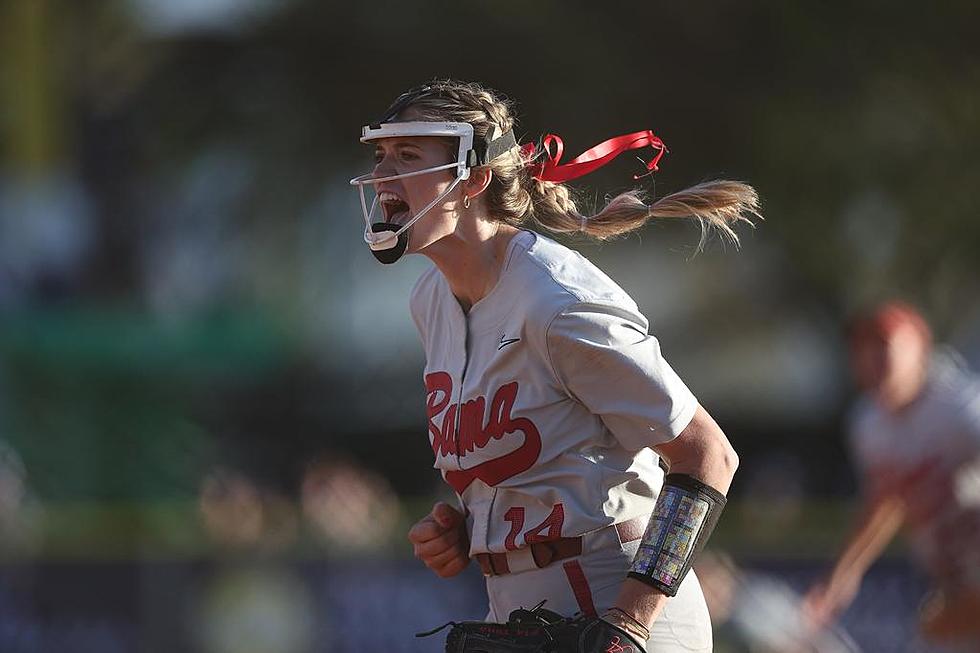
[(345, 606), (243, 571)]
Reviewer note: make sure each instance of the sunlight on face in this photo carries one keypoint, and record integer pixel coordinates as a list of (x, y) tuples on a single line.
[(892, 368), (402, 199)]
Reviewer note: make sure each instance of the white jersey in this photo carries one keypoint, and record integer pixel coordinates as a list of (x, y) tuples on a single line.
[(544, 400), (931, 452)]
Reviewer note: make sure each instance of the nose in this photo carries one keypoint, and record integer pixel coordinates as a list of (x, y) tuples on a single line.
[(384, 167)]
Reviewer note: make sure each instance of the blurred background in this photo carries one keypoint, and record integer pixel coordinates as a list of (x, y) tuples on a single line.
[(211, 409)]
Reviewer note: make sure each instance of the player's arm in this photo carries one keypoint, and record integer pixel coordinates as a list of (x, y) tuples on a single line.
[(606, 359), (703, 451), (879, 519), (703, 454)]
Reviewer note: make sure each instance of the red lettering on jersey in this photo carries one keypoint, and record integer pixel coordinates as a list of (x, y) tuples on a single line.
[(439, 388), (553, 522), (448, 429), (458, 480), (515, 515), (473, 435)]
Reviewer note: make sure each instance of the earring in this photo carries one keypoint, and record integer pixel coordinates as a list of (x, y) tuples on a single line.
[(466, 201)]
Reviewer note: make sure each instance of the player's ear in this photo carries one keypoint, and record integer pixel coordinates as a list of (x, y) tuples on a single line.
[(478, 181)]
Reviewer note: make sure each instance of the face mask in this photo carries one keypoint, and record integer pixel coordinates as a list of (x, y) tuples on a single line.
[(388, 241)]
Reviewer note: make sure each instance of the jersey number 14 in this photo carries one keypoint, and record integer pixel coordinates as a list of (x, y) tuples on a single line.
[(552, 524)]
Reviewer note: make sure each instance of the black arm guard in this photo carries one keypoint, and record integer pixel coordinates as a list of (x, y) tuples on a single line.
[(686, 513)]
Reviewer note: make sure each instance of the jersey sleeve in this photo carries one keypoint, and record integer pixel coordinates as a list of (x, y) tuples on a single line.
[(604, 358)]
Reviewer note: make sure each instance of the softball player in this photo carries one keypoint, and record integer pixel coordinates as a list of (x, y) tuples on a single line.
[(551, 412), (915, 437)]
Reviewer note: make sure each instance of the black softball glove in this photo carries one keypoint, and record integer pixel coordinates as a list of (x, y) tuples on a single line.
[(538, 631), (595, 635)]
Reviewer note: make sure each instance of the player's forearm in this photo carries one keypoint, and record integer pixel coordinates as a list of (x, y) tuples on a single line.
[(641, 601), (877, 525), (702, 464)]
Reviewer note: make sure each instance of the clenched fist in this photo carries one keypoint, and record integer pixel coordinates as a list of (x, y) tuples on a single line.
[(439, 540)]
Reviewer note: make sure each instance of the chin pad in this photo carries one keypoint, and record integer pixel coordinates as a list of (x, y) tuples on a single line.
[(392, 254)]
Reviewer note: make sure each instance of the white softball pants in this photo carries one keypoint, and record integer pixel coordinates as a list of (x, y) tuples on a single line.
[(596, 576)]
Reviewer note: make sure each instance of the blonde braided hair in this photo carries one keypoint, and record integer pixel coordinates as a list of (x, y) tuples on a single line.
[(514, 196)]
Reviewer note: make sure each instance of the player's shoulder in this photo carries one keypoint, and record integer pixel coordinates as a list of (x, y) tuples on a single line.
[(951, 378), (956, 388), (424, 294), (425, 285), (560, 277)]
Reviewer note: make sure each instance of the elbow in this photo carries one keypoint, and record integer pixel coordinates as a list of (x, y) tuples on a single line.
[(731, 460), (728, 458)]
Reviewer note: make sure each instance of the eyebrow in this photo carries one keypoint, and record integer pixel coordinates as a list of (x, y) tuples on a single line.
[(400, 145)]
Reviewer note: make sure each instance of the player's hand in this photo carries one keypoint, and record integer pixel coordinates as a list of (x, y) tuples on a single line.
[(827, 599), (439, 540)]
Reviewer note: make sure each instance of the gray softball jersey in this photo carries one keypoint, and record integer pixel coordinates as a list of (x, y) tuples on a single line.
[(932, 448), (544, 400)]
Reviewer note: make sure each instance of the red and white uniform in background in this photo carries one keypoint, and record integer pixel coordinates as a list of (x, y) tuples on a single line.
[(543, 402), (929, 454)]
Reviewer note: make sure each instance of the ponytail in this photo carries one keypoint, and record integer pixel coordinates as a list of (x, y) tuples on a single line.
[(716, 205)]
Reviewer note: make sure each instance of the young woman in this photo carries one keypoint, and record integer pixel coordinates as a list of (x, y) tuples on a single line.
[(915, 438), (549, 403)]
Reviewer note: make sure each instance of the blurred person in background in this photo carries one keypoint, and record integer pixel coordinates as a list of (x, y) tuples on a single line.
[(352, 508), (230, 507), (549, 402), (250, 600), (237, 512), (915, 438)]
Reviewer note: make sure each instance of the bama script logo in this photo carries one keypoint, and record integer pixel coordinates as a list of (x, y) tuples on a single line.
[(476, 429)]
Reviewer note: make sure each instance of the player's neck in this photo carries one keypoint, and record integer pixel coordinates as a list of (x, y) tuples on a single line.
[(471, 260)]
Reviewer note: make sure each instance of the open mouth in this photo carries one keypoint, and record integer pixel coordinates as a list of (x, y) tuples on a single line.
[(394, 208)]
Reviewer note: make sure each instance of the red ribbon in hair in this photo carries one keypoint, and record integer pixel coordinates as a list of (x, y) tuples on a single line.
[(593, 159)]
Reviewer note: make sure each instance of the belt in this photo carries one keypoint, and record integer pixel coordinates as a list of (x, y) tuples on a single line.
[(544, 553)]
